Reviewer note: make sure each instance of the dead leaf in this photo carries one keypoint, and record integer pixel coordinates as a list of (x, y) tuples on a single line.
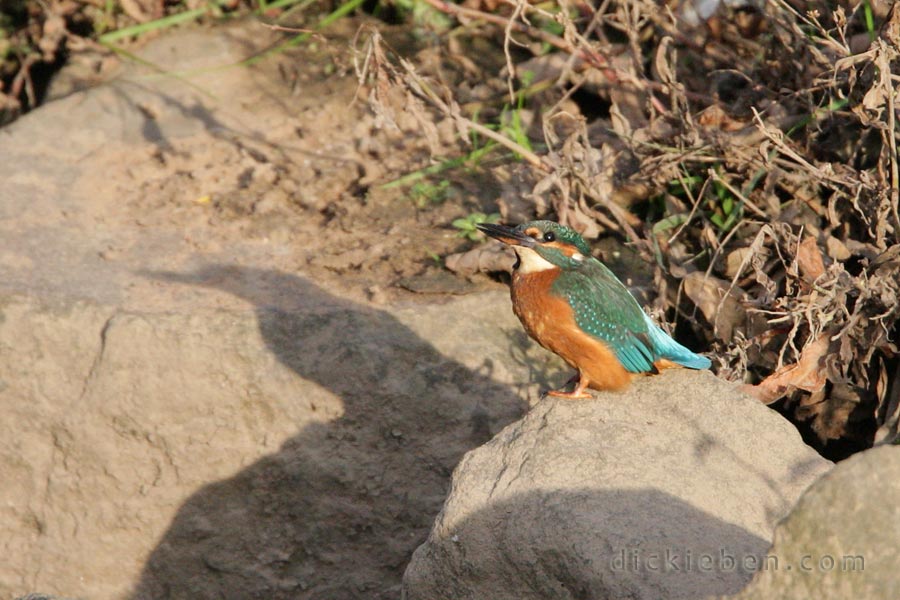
[(889, 432), (718, 301), (837, 249), (142, 10), (808, 374), (735, 261), (890, 30), (581, 222), (627, 110), (714, 117), (809, 259), (488, 258)]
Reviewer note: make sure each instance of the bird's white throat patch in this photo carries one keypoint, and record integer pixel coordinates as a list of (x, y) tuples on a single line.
[(532, 262)]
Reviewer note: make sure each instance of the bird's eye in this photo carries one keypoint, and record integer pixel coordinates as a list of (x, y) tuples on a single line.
[(549, 236)]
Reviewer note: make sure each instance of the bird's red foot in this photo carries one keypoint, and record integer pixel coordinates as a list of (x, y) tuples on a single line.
[(574, 395), (578, 393)]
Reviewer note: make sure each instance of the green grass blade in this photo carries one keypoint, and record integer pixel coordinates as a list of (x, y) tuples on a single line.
[(341, 11), (297, 6), (137, 59), (446, 165), (275, 5), (108, 39), (171, 20)]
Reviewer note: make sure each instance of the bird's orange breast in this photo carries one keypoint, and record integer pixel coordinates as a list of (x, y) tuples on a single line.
[(551, 322)]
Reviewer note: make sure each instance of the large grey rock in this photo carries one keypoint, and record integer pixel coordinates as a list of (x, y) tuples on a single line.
[(840, 541), (275, 451), (668, 490)]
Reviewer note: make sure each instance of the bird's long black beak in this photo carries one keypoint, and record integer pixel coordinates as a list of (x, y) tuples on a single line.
[(507, 235)]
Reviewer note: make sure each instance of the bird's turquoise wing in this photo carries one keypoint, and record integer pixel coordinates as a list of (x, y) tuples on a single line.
[(606, 310)]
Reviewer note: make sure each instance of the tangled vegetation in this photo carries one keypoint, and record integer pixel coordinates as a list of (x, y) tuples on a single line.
[(749, 155)]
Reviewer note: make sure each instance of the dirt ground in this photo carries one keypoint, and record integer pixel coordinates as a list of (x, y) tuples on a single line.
[(312, 184)]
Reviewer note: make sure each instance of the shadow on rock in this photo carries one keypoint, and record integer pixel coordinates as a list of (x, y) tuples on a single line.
[(584, 543), (339, 509)]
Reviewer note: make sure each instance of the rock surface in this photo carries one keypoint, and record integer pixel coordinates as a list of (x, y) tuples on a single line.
[(840, 541), (669, 490), (260, 452)]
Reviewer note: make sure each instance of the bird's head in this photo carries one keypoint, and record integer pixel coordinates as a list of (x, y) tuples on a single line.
[(541, 245)]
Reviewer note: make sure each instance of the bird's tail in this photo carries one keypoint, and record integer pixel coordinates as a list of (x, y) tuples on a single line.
[(665, 347)]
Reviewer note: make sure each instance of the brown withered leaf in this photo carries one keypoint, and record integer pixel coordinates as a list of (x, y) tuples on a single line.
[(808, 374), (889, 432), (715, 117), (839, 416), (719, 302), (487, 258), (143, 10), (890, 30), (735, 261), (836, 248), (809, 259)]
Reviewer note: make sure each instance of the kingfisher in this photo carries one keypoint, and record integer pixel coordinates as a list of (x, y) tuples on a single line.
[(571, 303)]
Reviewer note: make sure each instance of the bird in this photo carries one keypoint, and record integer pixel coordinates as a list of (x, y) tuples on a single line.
[(573, 305)]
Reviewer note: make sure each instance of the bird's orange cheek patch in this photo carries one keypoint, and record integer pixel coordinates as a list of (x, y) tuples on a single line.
[(566, 249)]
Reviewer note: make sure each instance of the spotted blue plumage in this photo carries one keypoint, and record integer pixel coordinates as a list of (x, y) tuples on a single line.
[(606, 310)]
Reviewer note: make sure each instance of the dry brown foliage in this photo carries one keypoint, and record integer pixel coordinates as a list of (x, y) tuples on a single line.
[(750, 155)]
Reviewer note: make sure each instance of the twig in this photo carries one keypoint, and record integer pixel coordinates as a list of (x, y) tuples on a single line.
[(884, 68), (595, 59), (744, 200), (622, 217), (419, 86), (525, 153), (426, 92), (276, 27), (695, 205), (518, 9), (23, 80)]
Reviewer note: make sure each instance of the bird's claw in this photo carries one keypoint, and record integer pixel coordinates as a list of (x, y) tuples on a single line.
[(573, 395)]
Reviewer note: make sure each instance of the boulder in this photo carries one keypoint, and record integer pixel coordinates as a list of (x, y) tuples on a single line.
[(265, 452), (840, 541), (670, 489)]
